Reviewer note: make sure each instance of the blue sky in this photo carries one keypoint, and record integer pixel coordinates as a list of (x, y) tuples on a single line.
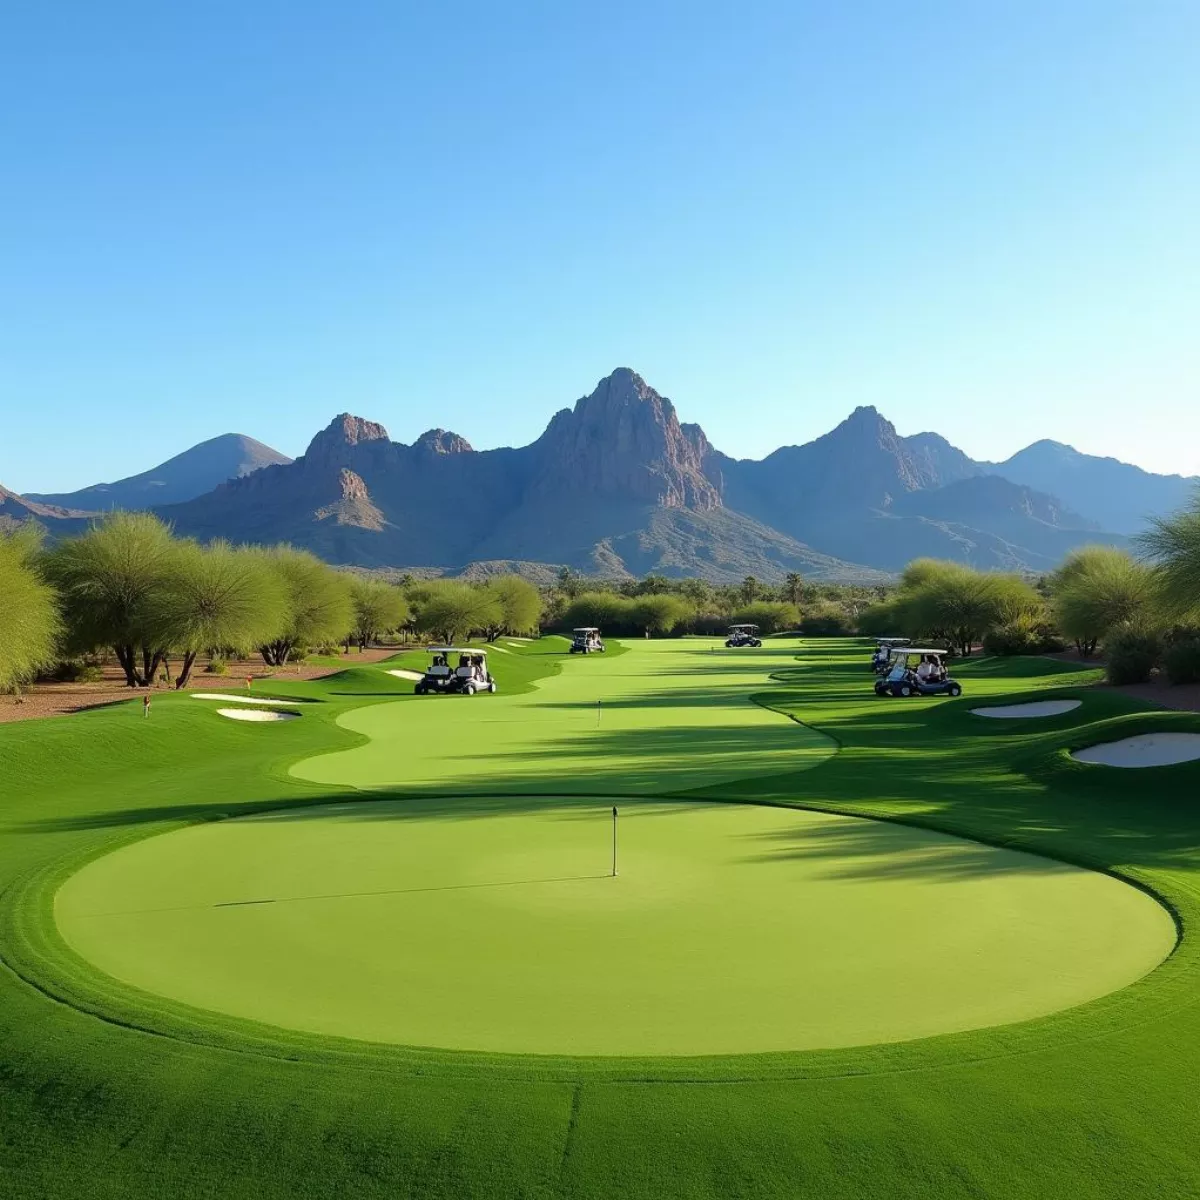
[(983, 218)]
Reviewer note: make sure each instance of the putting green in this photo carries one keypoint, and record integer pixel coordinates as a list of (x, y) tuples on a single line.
[(730, 928)]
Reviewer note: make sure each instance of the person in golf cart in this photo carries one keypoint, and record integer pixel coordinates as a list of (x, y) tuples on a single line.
[(742, 635), (882, 657), (586, 640), (917, 672)]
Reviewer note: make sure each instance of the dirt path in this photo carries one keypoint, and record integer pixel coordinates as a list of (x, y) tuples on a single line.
[(57, 699)]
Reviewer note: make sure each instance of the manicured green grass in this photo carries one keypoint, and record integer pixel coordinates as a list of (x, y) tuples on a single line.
[(110, 1091), (729, 928)]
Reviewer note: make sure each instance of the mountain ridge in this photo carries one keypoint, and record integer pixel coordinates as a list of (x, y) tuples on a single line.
[(617, 483), (184, 476)]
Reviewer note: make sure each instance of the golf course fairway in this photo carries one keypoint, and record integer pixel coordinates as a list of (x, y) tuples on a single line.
[(855, 947), (730, 928)]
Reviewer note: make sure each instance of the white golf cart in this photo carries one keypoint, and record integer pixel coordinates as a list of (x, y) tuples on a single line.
[(917, 671), (881, 658), (743, 635), (471, 674), (586, 640)]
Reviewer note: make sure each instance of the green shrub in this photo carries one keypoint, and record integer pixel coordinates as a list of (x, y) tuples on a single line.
[(216, 666), (1022, 637), (73, 670), (1181, 659), (1132, 654), (826, 621)]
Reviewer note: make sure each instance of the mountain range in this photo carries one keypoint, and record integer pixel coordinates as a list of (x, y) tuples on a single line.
[(618, 485)]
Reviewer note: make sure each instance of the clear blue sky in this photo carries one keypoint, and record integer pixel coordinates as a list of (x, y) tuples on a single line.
[(983, 218)]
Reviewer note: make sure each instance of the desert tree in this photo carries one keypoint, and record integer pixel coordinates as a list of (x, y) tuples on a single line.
[(660, 614), (320, 608), (219, 598), (952, 602), (447, 608), (111, 581), (1098, 590), (1174, 544), (30, 625), (602, 609), (518, 606), (793, 588), (379, 608)]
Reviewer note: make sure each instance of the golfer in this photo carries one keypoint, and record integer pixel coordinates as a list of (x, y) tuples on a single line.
[(146, 705)]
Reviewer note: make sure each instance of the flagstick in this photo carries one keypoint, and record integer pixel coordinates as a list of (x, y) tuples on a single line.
[(597, 712), (614, 874)]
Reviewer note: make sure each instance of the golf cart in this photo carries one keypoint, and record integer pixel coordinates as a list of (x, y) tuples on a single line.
[(917, 672), (468, 677), (881, 659), (743, 635), (586, 640)]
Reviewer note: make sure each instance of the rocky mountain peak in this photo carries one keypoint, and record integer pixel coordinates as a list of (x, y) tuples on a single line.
[(625, 438), (442, 441), (333, 445)]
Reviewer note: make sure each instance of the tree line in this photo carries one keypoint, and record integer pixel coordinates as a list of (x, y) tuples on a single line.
[(1142, 611), (128, 587)]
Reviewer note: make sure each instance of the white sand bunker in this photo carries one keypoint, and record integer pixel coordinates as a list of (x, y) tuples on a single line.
[(1144, 750), (241, 699), (1037, 708), (255, 714), (402, 674)]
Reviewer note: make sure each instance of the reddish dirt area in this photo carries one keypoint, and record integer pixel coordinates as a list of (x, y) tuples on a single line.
[(1159, 690), (55, 699)]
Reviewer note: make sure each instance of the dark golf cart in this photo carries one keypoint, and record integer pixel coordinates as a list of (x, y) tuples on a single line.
[(917, 672), (586, 640), (471, 675), (743, 635)]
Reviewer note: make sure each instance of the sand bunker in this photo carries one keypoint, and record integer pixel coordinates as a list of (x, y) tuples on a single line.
[(241, 699), (1144, 750), (255, 714), (1037, 708), (401, 674)]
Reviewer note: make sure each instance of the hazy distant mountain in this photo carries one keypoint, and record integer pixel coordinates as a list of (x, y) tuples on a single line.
[(617, 484), (183, 477), (18, 510), (1117, 495)]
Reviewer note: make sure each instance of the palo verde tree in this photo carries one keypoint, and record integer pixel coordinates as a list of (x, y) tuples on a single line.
[(219, 598), (518, 606), (30, 624), (1174, 543), (448, 609), (1098, 590), (658, 615), (320, 608), (954, 603), (379, 608), (111, 581)]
